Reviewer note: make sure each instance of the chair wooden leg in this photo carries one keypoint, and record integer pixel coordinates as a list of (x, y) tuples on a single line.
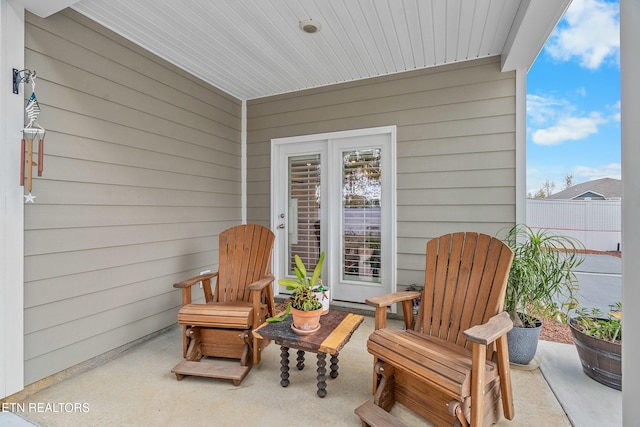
[(193, 351), (385, 392), (478, 361), (257, 350), (185, 341), (375, 381), (505, 377), (247, 356)]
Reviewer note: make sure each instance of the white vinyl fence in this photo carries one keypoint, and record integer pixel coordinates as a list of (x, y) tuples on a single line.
[(596, 223)]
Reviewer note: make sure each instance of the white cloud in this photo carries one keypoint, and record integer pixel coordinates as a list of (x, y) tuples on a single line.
[(585, 173), (568, 129), (615, 111), (554, 121), (590, 31), (544, 109)]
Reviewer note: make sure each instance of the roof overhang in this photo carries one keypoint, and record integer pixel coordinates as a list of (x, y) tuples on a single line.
[(250, 51), (533, 25), (46, 8)]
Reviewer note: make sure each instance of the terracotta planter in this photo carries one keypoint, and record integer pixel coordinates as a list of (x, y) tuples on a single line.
[(601, 360), (306, 321)]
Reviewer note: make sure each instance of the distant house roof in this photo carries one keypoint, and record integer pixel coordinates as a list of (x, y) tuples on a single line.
[(599, 189)]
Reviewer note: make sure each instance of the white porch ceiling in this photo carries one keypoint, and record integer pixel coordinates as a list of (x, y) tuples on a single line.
[(255, 48)]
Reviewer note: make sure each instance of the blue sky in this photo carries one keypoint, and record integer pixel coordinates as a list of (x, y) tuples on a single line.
[(573, 99)]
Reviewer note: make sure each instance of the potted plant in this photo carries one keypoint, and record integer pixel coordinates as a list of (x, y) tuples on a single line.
[(541, 284), (305, 307), (599, 343)]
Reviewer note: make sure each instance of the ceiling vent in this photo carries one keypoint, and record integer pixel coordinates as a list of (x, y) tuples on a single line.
[(309, 26)]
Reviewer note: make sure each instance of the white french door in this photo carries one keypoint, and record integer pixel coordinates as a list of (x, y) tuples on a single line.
[(335, 193)]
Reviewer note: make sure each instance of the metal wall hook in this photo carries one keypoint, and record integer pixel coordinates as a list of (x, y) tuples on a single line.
[(27, 77)]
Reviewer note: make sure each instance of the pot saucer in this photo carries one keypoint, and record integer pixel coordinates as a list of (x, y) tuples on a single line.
[(305, 331)]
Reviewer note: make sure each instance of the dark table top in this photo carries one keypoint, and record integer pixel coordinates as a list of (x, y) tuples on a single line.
[(335, 331)]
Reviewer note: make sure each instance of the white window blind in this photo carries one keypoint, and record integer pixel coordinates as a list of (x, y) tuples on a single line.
[(304, 210)]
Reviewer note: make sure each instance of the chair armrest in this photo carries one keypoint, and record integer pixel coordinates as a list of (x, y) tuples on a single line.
[(193, 280), (382, 302), (387, 300), (259, 289), (488, 332), (262, 283), (186, 285)]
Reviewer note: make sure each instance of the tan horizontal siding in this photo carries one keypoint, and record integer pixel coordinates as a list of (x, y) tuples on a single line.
[(423, 103), (67, 287), (100, 132), (91, 193), (455, 146), (87, 305), (142, 171), (428, 230), (80, 216), (102, 341), (58, 240), (462, 196), (452, 77), (456, 162), (114, 103), (456, 179), (453, 213)]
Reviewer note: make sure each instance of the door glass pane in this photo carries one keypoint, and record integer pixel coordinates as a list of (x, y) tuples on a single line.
[(361, 191), (304, 211)]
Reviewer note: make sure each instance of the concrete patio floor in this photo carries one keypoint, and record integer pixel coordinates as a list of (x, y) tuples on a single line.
[(137, 388)]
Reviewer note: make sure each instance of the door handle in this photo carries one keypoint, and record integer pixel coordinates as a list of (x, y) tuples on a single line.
[(281, 226)]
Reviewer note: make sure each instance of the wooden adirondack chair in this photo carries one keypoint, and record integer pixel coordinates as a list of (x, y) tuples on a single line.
[(241, 300), (451, 364)]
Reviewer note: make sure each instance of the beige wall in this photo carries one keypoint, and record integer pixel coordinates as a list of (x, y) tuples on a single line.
[(141, 172), (455, 149)]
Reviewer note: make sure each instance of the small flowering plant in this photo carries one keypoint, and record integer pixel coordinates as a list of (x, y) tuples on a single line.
[(303, 287)]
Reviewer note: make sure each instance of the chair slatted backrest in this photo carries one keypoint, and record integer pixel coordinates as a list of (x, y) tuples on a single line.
[(465, 284), (244, 257)]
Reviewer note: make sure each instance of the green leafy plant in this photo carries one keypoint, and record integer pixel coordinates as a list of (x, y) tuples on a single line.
[(302, 287), (541, 280), (280, 318), (593, 323), (304, 299)]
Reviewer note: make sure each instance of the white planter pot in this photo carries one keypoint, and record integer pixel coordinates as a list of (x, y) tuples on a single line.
[(324, 298)]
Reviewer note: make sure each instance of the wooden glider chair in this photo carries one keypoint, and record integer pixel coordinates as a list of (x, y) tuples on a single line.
[(241, 300), (451, 364)]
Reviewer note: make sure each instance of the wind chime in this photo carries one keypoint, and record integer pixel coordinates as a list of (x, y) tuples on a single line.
[(32, 131)]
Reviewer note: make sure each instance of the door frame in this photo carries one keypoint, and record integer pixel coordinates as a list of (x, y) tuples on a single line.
[(276, 183)]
